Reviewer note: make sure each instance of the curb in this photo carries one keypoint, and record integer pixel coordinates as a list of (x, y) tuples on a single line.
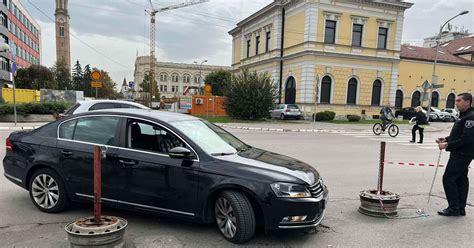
[(297, 130)]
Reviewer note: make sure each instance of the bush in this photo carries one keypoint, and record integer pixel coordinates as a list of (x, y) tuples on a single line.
[(353, 118), (35, 108), (250, 95), (325, 116)]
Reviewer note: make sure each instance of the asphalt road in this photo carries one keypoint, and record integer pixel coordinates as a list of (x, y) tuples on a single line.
[(348, 163)]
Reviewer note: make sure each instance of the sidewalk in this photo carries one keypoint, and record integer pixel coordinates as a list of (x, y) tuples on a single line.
[(305, 126), (20, 125)]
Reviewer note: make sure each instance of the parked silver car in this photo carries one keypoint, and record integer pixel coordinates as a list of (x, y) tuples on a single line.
[(286, 111), (453, 112)]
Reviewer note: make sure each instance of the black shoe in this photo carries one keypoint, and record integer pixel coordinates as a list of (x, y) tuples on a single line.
[(412, 141), (420, 142), (449, 212), (462, 212)]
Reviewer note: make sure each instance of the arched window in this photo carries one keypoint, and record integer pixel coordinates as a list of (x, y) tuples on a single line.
[(435, 99), (290, 91), (376, 92), (163, 77), (399, 99), (352, 91), (450, 101), (326, 85), (174, 77), (415, 99), (197, 79), (186, 78)]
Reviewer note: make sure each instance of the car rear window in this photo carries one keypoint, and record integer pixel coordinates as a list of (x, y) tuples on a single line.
[(293, 106), (71, 110)]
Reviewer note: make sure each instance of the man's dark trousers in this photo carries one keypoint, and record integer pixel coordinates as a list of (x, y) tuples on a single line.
[(455, 180)]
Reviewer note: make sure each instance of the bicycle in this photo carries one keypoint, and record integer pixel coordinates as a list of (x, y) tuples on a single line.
[(393, 129)]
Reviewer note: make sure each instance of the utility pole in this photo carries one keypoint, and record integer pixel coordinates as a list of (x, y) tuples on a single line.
[(200, 74), (152, 12)]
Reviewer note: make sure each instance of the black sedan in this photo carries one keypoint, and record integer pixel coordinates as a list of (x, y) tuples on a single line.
[(166, 163)]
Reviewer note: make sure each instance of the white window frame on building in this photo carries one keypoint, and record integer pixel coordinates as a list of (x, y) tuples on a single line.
[(383, 24), (333, 17), (358, 20)]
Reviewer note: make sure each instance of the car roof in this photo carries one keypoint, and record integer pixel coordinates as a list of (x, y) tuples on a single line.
[(165, 116), (91, 102)]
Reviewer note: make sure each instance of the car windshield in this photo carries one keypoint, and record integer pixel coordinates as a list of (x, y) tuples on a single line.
[(293, 106), (71, 110), (212, 139)]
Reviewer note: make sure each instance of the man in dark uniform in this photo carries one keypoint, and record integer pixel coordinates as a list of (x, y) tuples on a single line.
[(460, 143)]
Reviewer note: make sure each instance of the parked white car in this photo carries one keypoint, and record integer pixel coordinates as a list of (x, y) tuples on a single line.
[(453, 112), (84, 106)]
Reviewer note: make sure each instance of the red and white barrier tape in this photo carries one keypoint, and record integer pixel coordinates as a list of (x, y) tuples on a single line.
[(415, 164)]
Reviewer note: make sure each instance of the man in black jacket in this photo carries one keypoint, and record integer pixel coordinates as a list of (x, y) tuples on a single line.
[(460, 143)]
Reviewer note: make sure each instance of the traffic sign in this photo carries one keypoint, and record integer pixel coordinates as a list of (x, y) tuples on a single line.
[(426, 85), (96, 84), (96, 76), (438, 86)]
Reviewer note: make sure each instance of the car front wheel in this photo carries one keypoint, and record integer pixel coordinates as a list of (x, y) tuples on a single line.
[(47, 191), (235, 216)]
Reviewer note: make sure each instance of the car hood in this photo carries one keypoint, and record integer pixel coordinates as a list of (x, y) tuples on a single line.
[(264, 161)]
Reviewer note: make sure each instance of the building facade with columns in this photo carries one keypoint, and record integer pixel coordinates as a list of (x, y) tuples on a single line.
[(173, 78), (333, 55)]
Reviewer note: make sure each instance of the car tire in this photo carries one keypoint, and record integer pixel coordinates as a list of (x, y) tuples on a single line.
[(47, 191), (235, 216), (282, 117)]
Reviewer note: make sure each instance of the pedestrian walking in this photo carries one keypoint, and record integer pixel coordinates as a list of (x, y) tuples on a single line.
[(420, 124), (460, 143)]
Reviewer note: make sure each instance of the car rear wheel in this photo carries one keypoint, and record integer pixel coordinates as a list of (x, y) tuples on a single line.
[(235, 216), (47, 191), (282, 116)]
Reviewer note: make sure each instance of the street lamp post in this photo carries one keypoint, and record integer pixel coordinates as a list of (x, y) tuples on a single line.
[(6, 48), (434, 78), (315, 101), (200, 74)]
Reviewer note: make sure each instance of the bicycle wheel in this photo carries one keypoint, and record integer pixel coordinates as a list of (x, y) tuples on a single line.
[(377, 128), (393, 130)]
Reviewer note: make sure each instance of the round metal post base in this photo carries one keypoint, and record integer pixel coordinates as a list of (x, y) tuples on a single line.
[(85, 232), (370, 203)]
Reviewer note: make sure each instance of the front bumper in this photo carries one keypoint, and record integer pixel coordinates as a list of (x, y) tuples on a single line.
[(279, 208)]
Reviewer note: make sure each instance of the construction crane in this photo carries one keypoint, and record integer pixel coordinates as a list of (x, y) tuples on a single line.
[(152, 14)]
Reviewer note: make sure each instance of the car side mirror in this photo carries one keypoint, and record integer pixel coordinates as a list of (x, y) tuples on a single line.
[(180, 153)]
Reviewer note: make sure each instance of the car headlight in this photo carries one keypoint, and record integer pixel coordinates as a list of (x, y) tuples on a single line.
[(290, 190)]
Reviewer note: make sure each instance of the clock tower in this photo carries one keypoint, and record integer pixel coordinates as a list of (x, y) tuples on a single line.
[(63, 48)]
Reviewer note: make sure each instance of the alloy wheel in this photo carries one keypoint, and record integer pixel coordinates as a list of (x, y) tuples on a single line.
[(45, 191), (225, 217)]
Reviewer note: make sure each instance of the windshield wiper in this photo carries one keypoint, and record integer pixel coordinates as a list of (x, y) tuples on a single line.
[(222, 153)]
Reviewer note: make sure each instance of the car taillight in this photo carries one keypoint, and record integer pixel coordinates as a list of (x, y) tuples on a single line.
[(287, 110), (8, 144)]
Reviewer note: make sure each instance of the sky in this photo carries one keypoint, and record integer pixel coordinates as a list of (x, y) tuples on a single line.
[(108, 34)]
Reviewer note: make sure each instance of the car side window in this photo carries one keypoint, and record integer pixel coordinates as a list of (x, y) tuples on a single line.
[(66, 130), (97, 130), (123, 105), (147, 136), (104, 105)]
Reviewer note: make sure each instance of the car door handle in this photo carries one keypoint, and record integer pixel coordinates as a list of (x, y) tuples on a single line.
[(66, 153), (126, 163)]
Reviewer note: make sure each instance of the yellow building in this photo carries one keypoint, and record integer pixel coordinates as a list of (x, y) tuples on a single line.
[(349, 49), (455, 70)]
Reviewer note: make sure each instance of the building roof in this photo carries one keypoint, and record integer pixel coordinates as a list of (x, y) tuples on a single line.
[(460, 46), (447, 52)]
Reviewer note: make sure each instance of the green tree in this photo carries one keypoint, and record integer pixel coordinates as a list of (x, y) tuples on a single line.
[(250, 95), (35, 77), (77, 77), (145, 87), (62, 76), (219, 80), (86, 82)]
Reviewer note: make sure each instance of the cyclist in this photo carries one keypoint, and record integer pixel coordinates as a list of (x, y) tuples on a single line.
[(386, 116)]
